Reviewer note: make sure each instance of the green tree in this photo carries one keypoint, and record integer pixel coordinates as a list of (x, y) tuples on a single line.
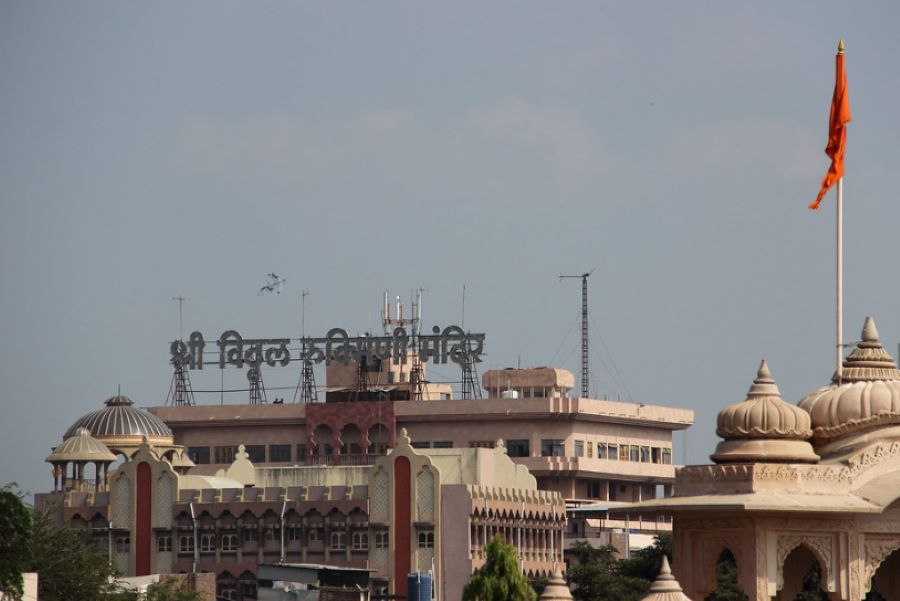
[(500, 578), (812, 589), (726, 579), (647, 562), (171, 589), (15, 539), (597, 575), (68, 567)]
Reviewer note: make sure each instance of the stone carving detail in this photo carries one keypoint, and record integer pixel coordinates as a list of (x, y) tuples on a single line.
[(712, 548), (877, 550), (821, 547), (870, 457), (380, 501), (121, 503), (165, 497), (425, 495)]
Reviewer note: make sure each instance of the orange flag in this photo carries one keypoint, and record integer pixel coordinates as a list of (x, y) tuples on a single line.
[(837, 131)]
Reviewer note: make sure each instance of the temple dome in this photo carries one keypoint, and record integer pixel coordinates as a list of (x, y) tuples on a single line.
[(119, 423), (764, 427), (81, 446), (866, 396)]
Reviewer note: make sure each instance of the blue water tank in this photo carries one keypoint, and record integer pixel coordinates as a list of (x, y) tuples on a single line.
[(418, 586)]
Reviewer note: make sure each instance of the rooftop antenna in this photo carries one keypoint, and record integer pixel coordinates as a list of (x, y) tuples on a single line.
[(180, 300), (417, 373), (469, 387), (180, 391), (585, 376), (307, 384)]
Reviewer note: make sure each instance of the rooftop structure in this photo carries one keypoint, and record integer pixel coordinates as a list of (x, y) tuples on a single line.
[(793, 486)]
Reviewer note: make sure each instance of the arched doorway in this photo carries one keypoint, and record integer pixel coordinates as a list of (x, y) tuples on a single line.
[(726, 579), (804, 577), (886, 580)]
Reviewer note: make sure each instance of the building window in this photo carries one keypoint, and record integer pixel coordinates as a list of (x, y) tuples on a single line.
[(360, 541), (481, 444), (199, 455), (229, 593), (442, 444), (426, 539), (101, 545), (593, 489), (635, 453), (382, 540), (207, 543), (601, 450), (667, 456), (579, 448), (338, 541), (590, 452), (613, 452), (421, 444), (292, 532), (256, 453), (186, 544), (248, 589), (623, 452), (164, 544), (229, 542), (123, 544), (645, 454), (249, 533), (518, 448), (553, 448), (273, 534), (316, 534), (279, 452), (225, 454)]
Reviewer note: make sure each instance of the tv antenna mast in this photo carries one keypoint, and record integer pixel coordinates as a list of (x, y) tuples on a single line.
[(180, 391), (307, 385), (585, 376)]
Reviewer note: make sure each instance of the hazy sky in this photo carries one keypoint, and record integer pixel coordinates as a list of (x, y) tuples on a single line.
[(149, 150)]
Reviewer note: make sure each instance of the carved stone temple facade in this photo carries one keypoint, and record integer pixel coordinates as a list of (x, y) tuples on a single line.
[(792, 485)]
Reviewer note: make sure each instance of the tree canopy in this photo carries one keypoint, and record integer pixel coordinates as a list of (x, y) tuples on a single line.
[(597, 575), (15, 537), (500, 578)]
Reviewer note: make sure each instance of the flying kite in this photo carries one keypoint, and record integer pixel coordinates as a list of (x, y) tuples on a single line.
[(275, 284)]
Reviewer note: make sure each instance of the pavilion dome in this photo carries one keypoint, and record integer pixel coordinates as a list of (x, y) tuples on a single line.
[(120, 423), (81, 446), (764, 427), (865, 397)]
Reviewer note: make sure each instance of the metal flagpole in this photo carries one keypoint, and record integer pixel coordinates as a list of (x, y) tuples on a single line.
[(840, 279)]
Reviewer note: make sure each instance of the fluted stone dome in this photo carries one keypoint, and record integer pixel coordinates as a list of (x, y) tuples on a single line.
[(81, 446), (866, 396), (665, 587), (119, 422), (764, 427)]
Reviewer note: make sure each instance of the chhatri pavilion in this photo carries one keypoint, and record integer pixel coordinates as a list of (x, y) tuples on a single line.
[(795, 485)]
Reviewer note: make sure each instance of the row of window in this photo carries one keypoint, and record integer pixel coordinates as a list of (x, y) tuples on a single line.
[(279, 453), (229, 542), (557, 448)]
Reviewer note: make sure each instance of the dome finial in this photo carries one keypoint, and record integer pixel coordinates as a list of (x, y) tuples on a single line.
[(869, 333), (763, 385)]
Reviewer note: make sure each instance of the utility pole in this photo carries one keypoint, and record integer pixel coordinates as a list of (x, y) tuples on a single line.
[(585, 376)]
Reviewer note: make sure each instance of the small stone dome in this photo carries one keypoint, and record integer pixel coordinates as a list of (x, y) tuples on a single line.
[(865, 396), (665, 587), (556, 589), (81, 446), (119, 422), (764, 427)]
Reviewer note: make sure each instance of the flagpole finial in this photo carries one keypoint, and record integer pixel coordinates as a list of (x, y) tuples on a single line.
[(841, 46)]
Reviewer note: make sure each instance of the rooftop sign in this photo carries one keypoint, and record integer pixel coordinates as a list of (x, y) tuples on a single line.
[(452, 343)]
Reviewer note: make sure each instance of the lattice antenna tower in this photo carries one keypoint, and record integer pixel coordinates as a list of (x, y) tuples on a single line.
[(180, 391), (469, 388), (257, 388), (307, 383), (388, 323), (585, 365)]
